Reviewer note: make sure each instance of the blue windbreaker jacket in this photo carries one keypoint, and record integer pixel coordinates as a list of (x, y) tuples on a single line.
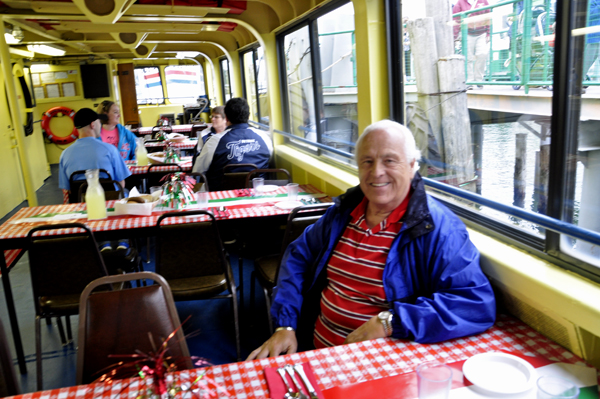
[(432, 278)]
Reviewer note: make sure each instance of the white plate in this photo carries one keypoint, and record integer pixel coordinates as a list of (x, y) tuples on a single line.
[(288, 204), (499, 373), (267, 188)]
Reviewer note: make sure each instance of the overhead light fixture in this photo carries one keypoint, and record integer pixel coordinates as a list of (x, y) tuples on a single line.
[(187, 54), (47, 49), (14, 35)]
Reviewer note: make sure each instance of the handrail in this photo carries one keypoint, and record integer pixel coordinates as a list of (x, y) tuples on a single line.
[(315, 144), (528, 60), (541, 220)]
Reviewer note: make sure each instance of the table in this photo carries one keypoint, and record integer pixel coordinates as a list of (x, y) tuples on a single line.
[(348, 364), (14, 235), (186, 165), (187, 144), (172, 129)]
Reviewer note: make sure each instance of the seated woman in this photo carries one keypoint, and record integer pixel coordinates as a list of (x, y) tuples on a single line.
[(114, 133)]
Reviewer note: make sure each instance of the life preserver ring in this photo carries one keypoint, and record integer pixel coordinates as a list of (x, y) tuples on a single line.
[(46, 125)]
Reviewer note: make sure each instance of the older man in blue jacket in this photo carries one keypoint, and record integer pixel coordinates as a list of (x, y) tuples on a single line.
[(386, 260)]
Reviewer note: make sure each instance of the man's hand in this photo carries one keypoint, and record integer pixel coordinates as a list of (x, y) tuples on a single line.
[(371, 329), (282, 342)]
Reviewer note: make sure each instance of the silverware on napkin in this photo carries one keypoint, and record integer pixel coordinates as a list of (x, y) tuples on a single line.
[(290, 369), (311, 391), (289, 393)]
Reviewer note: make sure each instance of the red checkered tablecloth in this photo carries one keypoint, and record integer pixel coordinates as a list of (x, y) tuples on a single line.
[(174, 129), (347, 364), (186, 165), (186, 144), (25, 219)]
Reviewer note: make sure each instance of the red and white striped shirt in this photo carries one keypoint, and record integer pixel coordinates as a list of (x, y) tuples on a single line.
[(355, 291)]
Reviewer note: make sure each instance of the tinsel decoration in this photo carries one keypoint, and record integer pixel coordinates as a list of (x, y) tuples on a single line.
[(171, 154), (152, 369), (177, 191)]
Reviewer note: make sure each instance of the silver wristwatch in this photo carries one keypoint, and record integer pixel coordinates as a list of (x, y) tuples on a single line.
[(385, 318)]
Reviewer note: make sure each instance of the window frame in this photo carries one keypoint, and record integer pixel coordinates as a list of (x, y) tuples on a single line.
[(310, 21)]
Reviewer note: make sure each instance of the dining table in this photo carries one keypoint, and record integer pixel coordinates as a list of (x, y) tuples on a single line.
[(172, 129), (232, 206), (382, 367), (186, 144), (185, 163)]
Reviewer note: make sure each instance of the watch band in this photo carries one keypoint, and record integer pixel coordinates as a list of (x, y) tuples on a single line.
[(385, 318), (285, 328)]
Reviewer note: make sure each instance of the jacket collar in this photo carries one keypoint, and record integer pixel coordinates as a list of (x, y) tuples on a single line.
[(417, 212)]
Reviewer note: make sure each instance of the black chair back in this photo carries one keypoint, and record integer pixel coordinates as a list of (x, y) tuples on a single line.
[(77, 179), (191, 257), (153, 177), (112, 191), (234, 175), (277, 177)]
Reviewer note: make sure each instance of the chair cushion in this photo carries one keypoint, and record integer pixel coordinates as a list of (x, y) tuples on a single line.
[(193, 288), (266, 268)]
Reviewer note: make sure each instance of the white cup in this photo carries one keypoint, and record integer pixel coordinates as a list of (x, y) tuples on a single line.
[(202, 199), (257, 184), (292, 191), (434, 380)]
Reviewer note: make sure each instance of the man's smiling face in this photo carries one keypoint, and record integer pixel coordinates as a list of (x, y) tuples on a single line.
[(383, 170)]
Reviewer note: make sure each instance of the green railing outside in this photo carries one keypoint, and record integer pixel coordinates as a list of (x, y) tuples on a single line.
[(528, 60)]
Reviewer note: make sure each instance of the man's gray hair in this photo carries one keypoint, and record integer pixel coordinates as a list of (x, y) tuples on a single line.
[(410, 147)]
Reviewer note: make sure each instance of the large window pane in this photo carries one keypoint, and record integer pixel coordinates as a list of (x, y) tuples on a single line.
[(338, 76), (250, 84), (225, 79), (300, 93), (495, 137), (148, 86), (185, 83), (263, 95)]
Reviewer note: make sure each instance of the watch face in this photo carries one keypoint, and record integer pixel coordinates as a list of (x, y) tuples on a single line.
[(385, 315)]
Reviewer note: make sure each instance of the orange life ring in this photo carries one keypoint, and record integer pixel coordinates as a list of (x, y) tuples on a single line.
[(46, 125)]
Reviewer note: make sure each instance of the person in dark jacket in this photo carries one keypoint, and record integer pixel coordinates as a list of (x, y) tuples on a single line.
[(239, 143), (387, 260)]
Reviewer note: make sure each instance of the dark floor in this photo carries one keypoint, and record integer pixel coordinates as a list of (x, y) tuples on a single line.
[(211, 321)]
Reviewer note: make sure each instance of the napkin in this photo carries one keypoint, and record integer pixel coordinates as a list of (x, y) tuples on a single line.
[(277, 389)]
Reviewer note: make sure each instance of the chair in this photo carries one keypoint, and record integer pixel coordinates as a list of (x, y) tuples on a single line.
[(191, 258), (112, 191), (8, 379), (197, 128), (119, 323), (154, 177), (61, 266), (266, 268), (77, 179), (158, 148), (272, 176), (234, 175), (200, 178)]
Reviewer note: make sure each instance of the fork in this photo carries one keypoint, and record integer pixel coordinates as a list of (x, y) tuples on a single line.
[(290, 369), (289, 393), (311, 391)]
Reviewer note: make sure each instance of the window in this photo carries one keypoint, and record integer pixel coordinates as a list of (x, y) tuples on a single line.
[(185, 83), (322, 110), (148, 86), (225, 80), (255, 84), (523, 157)]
